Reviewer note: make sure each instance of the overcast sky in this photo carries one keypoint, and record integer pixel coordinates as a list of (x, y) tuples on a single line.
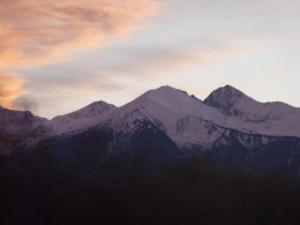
[(57, 56)]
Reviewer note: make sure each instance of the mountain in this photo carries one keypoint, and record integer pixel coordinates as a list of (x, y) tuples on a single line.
[(165, 125), (92, 110), (15, 126), (79, 118), (166, 107), (18, 122), (20, 129), (271, 118)]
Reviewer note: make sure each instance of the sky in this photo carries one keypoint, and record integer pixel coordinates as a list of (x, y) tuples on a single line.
[(58, 56)]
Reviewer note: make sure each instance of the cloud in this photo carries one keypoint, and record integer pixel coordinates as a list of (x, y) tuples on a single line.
[(34, 33), (42, 32), (120, 66), (54, 95), (120, 71), (25, 103), (73, 84), (11, 87), (152, 62)]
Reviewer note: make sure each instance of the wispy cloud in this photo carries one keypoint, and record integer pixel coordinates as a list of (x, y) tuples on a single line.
[(151, 61), (125, 72), (72, 52), (11, 87), (34, 31)]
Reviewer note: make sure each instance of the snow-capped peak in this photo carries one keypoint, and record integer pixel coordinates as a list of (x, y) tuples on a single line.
[(167, 105), (81, 118), (175, 99), (225, 98), (187, 120), (91, 110), (272, 118)]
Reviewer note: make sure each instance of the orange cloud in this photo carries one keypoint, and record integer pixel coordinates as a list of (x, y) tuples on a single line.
[(41, 32), (35, 32), (11, 87)]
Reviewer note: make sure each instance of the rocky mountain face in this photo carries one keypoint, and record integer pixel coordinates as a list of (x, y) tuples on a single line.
[(165, 125), (271, 118), (16, 127), (23, 130)]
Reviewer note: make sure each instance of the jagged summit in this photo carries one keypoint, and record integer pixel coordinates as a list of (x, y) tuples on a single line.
[(166, 90), (231, 89), (169, 104), (171, 97), (164, 87), (274, 118), (226, 106), (225, 97), (174, 109)]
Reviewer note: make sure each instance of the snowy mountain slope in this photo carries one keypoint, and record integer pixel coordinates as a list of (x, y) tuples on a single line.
[(166, 107), (192, 131), (163, 125), (272, 118), (179, 103), (185, 119), (80, 119), (18, 122), (189, 121), (163, 107), (92, 110), (15, 127), (256, 153), (24, 129), (110, 152)]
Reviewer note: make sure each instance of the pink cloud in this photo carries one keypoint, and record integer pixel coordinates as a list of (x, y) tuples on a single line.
[(34, 31), (11, 87)]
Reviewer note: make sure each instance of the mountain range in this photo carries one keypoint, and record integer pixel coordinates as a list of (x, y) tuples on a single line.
[(159, 128)]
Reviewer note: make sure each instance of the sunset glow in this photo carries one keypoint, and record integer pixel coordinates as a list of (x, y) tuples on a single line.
[(62, 55)]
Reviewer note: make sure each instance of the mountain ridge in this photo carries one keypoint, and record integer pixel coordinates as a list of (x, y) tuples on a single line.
[(271, 118), (162, 126), (187, 120)]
